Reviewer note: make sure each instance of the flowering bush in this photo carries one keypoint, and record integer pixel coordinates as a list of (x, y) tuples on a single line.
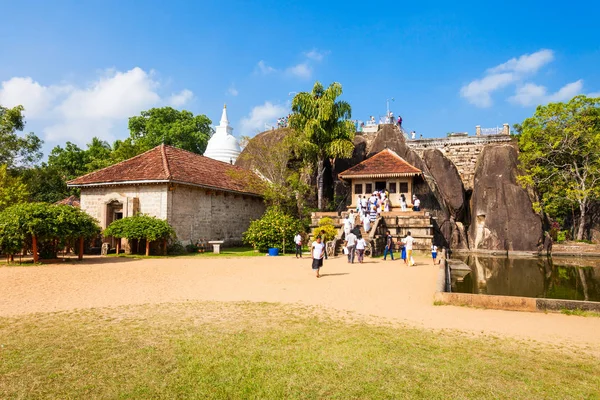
[(326, 224), (274, 229)]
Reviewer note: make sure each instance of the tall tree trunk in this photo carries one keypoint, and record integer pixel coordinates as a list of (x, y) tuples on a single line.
[(584, 285), (582, 216), (320, 172)]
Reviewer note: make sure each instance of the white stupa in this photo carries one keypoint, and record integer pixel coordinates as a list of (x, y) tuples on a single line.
[(222, 146)]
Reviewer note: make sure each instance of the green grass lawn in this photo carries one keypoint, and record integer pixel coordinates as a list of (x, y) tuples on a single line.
[(199, 350), (225, 253)]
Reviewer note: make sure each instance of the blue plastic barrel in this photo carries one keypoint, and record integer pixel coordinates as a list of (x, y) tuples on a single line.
[(273, 251)]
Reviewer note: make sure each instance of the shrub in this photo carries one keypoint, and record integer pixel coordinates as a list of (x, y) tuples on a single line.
[(53, 226), (175, 248), (191, 248), (563, 236), (326, 224), (139, 227), (274, 229)]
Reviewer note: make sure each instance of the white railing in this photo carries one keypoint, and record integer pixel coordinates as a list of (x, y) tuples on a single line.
[(492, 131)]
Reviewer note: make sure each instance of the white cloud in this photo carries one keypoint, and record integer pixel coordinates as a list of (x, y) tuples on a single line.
[(531, 94), (262, 116), (232, 91), (265, 69), (514, 72), (525, 64), (316, 55), (593, 94), (478, 91), (77, 113), (181, 98), (303, 71), (36, 99)]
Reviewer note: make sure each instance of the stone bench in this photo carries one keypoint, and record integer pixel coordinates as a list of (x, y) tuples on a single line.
[(216, 245)]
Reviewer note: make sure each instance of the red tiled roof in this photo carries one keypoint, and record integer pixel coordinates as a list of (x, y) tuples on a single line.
[(166, 164), (385, 164), (70, 201)]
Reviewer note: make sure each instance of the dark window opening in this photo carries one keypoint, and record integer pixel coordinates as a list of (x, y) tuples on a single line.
[(380, 186), (392, 187), (368, 188), (403, 187), (358, 188)]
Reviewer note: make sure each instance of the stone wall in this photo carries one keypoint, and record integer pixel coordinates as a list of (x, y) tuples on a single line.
[(153, 200), (194, 213), (199, 214), (462, 151)]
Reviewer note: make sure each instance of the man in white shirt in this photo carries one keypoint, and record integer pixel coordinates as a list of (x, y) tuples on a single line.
[(318, 252), (416, 204), (408, 242), (298, 241), (351, 246)]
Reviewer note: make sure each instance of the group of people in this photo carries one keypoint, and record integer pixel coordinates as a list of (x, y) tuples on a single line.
[(283, 122), (380, 202)]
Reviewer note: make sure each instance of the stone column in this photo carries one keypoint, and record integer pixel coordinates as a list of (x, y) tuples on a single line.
[(505, 129), (478, 130)]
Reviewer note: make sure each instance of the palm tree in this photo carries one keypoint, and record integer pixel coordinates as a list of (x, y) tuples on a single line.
[(323, 128)]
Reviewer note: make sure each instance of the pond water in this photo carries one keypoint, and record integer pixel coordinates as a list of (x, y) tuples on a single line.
[(553, 278)]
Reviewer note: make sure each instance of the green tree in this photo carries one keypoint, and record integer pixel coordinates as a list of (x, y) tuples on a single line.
[(12, 189), (560, 154), (140, 227), (170, 126), (274, 229), (53, 226), (15, 150), (323, 128)]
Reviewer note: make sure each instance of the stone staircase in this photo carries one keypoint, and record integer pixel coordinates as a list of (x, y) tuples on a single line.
[(399, 223)]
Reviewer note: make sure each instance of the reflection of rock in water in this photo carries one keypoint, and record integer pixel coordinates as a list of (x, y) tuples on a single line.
[(529, 277)]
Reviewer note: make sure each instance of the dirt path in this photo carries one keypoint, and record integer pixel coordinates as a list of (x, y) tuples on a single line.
[(383, 289)]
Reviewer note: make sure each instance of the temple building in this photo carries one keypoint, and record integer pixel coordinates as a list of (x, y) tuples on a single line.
[(385, 170), (223, 146), (203, 199)]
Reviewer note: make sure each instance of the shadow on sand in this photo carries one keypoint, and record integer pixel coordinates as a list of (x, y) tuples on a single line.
[(336, 274)]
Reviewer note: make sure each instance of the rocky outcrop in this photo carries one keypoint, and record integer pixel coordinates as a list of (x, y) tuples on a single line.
[(502, 213), (448, 180)]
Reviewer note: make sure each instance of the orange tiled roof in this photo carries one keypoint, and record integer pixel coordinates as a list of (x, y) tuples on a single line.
[(167, 164), (385, 164), (70, 201)]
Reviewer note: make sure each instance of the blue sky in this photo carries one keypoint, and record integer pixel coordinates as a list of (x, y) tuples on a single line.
[(82, 68)]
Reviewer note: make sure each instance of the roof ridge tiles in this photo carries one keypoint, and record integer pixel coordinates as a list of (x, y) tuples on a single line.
[(165, 161)]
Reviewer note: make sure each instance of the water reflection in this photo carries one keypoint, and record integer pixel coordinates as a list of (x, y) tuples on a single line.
[(571, 279)]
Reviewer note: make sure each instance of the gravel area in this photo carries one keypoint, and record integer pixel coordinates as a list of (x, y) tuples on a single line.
[(387, 290)]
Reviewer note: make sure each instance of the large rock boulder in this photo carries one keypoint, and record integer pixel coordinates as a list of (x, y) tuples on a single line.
[(502, 217), (448, 180)]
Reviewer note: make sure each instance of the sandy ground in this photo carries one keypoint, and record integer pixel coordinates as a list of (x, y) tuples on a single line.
[(389, 290)]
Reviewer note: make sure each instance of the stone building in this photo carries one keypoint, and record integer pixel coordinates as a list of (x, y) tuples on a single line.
[(385, 170), (203, 199)]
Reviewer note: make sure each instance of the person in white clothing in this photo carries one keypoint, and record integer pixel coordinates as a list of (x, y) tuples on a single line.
[(347, 225), (318, 252), (298, 241), (363, 203), (361, 245), (352, 218), (408, 242), (416, 204), (351, 246), (367, 223)]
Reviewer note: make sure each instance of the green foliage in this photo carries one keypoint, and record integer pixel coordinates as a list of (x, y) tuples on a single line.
[(139, 227), (12, 189), (322, 127), (560, 156), (562, 236), (274, 229), (52, 225), (175, 248), (15, 150), (326, 224), (170, 126)]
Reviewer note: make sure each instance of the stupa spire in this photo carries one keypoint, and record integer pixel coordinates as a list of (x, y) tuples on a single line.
[(224, 119)]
